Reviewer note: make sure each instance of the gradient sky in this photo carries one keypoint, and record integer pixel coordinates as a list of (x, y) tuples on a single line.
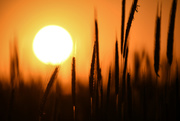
[(24, 18)]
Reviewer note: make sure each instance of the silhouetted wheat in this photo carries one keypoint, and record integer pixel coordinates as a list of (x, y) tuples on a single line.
[(122, 24), (157, 43), (124, 75), (140, 92), (14, 77), (14, 65), (137, 65), (97, 52), (129, 98), (95, 78), (55, 107), (108, 88), (48, 88), (131, 16), (124, 86), (73, 86), (91, 80), (12, 73), (170, 40), (73, 81), (91, 83), (16, 59), (116, 75), (157, 53), (177, 95), (116, 69), (98, 71), (101, 91), (144, 101)]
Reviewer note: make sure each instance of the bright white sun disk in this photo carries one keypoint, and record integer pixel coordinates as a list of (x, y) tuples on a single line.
[(52, 44)]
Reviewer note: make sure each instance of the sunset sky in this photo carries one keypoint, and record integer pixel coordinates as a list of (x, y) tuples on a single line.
[(22, 19)]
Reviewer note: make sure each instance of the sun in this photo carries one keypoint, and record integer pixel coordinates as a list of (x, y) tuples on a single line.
[(52, 44)]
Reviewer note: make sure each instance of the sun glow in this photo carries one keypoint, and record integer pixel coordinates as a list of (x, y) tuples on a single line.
[(52, 45)]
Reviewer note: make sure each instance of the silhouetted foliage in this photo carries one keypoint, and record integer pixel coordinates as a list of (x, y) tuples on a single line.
[(108, 88), (143, 100), (44, 98), (170, 40), (129, 98), (124, 75), (157, 43), (14, 77), (122, 24), (177, 95), (73, 87), (116, 69), (73, 81), (137, 65), (91, 81), (131, 16)]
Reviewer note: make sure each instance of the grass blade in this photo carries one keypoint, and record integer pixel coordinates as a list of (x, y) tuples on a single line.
[(116, 69), (122, 24), (170, 40), (91, 83), (157, 44), (14, 77), (129, 98), (124, 74), (73, 81), (131, 16), (177, 95), (73, 86), (108, 88), (48, 88)]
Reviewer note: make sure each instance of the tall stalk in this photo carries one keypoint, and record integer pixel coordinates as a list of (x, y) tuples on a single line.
[(73, 87), (122, 24), (131, 17), (129, 98), (46, 93), (116, 75), (157, 43), (108, 88), (124, 75), (14, 77), (91, 80), (170, 40), (116, 69)]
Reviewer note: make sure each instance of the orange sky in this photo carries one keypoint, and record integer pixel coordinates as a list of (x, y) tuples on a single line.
[(23, 19)]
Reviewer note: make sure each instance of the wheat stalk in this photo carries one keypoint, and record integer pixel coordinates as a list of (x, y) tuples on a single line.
[(131, 16), (122, 24), (48, 88), (129, 97), (91, 83), (116, 75), (108, 88), (99, 89), (91, 80), (170, 40), (137, 65), (97, 51), (124, 74), (73, 87), (157, 44), (73, 81), (14, 77), (116, 69)]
